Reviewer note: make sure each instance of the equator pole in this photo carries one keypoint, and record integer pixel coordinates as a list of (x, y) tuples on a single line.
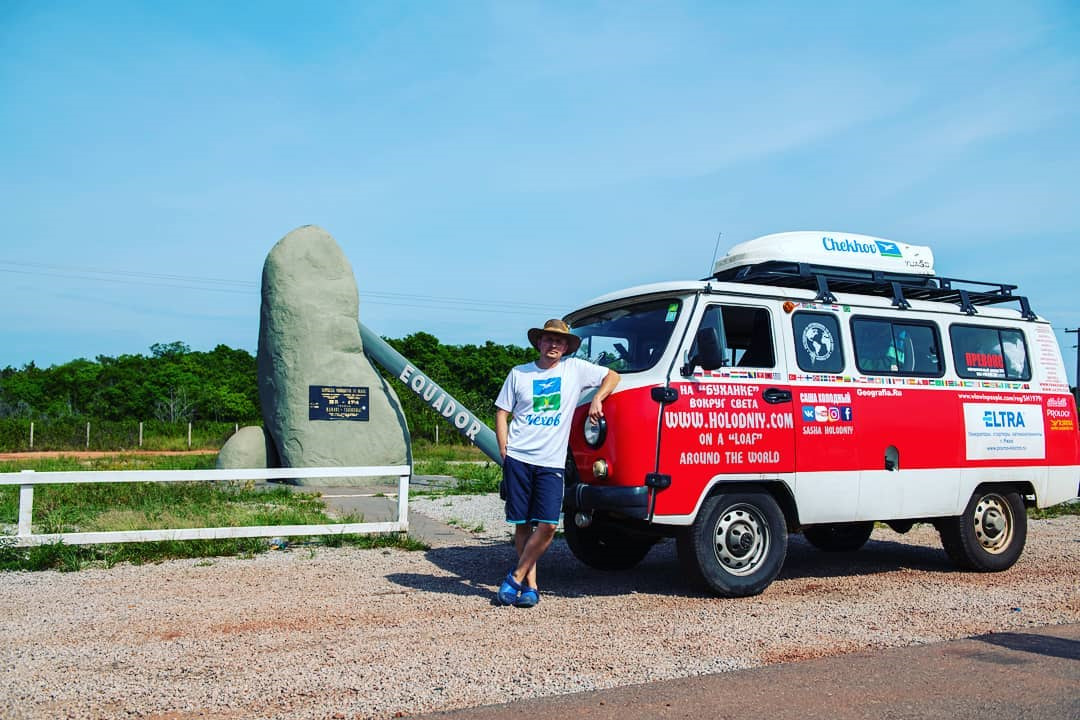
[(440, 401)]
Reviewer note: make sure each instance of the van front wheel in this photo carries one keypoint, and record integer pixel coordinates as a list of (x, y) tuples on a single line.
[(739, 542), (605, 547), (991, 533)]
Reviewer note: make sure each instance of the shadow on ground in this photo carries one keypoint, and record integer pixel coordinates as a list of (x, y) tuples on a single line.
[(1038, 644), (476, 570)]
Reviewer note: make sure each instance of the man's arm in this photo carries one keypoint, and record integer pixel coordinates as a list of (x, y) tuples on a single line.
[(502, 429), (596, 408)]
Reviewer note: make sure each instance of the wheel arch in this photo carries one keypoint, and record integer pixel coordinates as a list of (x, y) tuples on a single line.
[(773, 486), (1024, 488)]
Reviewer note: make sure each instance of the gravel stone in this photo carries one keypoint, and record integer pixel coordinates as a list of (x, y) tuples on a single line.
[(317, 633)]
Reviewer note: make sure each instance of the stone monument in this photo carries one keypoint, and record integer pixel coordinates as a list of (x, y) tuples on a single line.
[(323, 403)]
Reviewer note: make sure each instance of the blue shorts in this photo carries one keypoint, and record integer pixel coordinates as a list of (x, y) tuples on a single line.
[(533, 493)]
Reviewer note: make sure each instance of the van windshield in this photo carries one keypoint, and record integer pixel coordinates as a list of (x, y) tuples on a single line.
[(630, 338)]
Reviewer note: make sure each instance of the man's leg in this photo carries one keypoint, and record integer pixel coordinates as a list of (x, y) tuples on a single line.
[(531, 545), (545, 506)]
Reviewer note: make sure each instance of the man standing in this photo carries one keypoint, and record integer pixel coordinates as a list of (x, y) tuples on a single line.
[(541, 398)]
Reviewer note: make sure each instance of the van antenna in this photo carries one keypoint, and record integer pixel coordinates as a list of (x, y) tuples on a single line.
[(716, 249)]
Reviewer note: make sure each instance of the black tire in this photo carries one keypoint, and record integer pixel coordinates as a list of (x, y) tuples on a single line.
[(605, 547), (838, 537), (990, 535), (688, 563), (739, 542)]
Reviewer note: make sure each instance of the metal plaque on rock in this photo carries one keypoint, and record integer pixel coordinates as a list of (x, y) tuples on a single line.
[(337, 402)]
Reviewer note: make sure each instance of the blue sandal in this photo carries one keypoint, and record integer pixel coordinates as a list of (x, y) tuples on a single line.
[(509, 590), (530, 596)]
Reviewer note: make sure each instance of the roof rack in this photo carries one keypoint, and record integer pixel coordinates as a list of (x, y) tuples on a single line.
[(900, 287)]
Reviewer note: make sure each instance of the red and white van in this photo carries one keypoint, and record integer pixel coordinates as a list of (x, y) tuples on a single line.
[(817, 382)]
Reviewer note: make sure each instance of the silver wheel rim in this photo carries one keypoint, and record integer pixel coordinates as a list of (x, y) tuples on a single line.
[(993, 523), (741, 539)]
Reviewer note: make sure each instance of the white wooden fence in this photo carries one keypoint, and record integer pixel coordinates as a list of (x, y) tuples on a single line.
[(27, 479)]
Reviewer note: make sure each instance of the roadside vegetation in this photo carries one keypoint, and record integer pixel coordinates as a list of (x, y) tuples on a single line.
[(215, 391)]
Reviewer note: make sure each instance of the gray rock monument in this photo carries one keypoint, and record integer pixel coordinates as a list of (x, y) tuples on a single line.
[(323, 403)]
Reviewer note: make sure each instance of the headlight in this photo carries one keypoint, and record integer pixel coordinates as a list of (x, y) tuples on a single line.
[(595, 432)]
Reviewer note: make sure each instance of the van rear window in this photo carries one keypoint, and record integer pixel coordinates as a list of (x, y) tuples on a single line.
[(987, 352), (893, 347)]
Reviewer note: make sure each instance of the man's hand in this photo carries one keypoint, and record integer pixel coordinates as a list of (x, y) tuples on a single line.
[(596, 409)]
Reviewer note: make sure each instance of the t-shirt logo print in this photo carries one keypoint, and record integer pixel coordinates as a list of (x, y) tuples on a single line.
[(547, 394)]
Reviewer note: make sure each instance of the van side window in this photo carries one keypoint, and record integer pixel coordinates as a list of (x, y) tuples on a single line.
[(988, 352), (888, 347), (745, 334), (817, 342)]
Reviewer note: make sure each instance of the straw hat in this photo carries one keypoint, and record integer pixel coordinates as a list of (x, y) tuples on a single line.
[(555, 326)]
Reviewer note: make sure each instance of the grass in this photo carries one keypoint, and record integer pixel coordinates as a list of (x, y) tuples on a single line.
[(457, 522), (1059, 510), (425, 450), (144, 506), (471, 478)]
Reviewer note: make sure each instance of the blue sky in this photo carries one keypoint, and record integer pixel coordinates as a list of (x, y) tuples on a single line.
[(485, 166)]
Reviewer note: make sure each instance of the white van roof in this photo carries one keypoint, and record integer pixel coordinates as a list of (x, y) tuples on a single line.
[(830, 249)]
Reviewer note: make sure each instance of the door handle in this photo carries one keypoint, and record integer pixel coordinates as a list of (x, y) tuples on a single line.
[(774, 396)]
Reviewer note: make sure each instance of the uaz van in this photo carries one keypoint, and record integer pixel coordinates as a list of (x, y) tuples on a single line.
[(817, 382)]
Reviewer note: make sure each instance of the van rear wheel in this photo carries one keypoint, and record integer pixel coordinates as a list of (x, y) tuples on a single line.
[(839, 537), (739, 542), (990, 535)]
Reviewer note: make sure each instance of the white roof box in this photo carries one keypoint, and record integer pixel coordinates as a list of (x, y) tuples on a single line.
[(831, 249)]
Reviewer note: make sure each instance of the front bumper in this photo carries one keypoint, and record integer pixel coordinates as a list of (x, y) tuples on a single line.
[(632, 502)]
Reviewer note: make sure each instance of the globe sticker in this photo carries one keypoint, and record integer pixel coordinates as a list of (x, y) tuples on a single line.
[(818, 342)]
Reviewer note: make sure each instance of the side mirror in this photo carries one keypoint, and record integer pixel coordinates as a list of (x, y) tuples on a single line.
[(709, 355)]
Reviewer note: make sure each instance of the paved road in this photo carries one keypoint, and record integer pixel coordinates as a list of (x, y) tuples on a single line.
[(1003, 676)]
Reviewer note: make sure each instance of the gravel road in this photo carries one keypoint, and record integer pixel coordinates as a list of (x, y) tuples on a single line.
[(346, 633)]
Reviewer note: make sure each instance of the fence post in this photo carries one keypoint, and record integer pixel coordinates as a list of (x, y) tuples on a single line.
[(189, 436), (436, 434), (31, 434), (26, 507), (403, 502), (87, 436), (140, 433), (236, 428)]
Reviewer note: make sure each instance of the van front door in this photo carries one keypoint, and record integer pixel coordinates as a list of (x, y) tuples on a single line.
[(731, 422)]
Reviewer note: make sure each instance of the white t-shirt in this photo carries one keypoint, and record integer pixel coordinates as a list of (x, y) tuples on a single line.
[(542, 404)]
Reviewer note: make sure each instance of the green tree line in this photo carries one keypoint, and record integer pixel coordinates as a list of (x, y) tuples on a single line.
[(174, 384)]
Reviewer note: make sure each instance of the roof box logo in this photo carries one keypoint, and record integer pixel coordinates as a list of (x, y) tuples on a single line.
[(888, 249), (884, 248)]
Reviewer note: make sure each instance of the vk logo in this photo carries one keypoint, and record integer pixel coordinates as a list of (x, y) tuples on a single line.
[(888, 249), (808, 413)]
